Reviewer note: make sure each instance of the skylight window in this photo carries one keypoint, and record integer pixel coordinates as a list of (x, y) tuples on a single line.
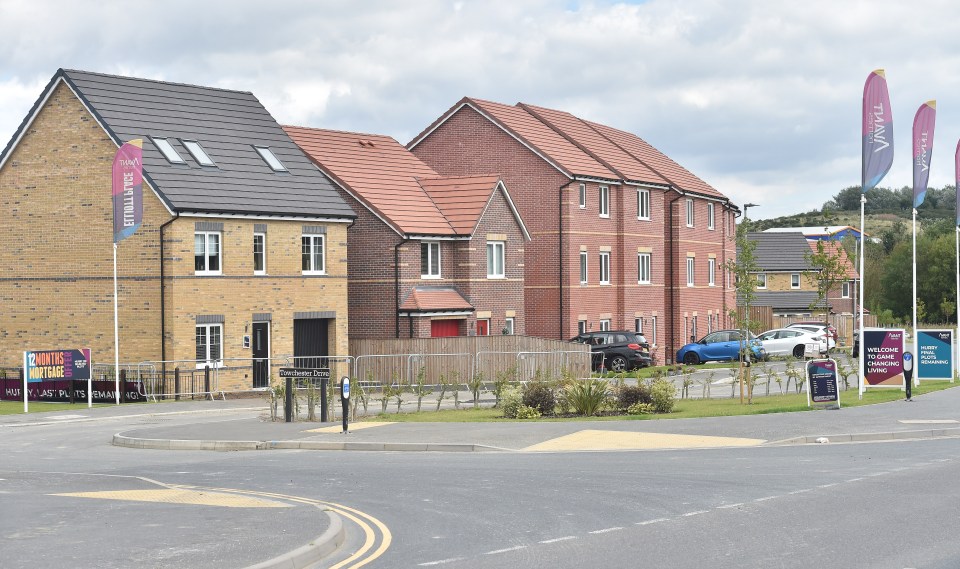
[(198, 152), (270, 159), (164, 146)]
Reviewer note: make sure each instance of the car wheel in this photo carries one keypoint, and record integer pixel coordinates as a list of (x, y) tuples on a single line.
[(798, 351), (691, 359), (618, 364)]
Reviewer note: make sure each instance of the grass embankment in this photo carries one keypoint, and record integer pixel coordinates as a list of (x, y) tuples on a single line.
[(683, 409)]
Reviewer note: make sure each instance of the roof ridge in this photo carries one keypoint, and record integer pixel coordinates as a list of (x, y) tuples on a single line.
[(341, 131), (161, 81)]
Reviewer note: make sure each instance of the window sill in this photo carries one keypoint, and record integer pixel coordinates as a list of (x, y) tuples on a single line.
[(430, 277), (313, 273), (604, 216), (643, 219), (208, 273), (496, 277)]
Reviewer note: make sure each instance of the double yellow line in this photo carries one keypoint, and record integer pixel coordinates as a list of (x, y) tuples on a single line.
[(374, 530)]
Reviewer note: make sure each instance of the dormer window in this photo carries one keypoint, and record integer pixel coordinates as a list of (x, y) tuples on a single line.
[(270, 159), (198, 152), (168, 151)]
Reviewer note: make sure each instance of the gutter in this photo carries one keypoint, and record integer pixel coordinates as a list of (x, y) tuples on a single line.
[(163, 307), (560, 336)]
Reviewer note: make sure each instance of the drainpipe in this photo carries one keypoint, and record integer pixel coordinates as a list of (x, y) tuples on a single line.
[(560, 336), (163, 308), (396, 284), (671, 280)]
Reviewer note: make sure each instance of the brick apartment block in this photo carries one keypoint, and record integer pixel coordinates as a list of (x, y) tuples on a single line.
[(234, 245), (428, 255), (616, 225)]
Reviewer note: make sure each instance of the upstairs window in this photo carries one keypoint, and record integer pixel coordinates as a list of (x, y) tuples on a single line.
[(690, 273), (583, 267), (604, 201), (761, 280), (583, 196), (690, 213), (710, 223), (845, 289), (643, 268), (206, 252), (795, 280), (198, 153), (259, 254), (643, 204), (312, 255), (604, 268), (168, 151), (495, 260), (271, 159), (430, 260), (711, 272)]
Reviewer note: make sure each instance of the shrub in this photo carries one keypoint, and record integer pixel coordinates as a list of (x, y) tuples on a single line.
[(539, 395), (588, 396), (629, 395), (640, 409), (510, 400), (524, 412), (662, 394)]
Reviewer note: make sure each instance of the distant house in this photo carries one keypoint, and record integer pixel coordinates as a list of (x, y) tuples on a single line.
[(241, 257), (430, 256), (624, 237), (821, 233), (784, 282)]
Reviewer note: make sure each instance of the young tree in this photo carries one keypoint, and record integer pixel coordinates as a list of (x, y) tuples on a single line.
[(828, 268), (744, 270)]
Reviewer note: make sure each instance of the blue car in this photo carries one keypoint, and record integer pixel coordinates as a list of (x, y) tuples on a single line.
[(722, 345)]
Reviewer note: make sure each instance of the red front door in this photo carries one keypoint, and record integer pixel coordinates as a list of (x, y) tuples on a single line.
[(483, 327), (444, 328)]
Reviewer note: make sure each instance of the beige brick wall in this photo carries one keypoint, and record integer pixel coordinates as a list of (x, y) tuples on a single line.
[(780, 282), (56, 275)]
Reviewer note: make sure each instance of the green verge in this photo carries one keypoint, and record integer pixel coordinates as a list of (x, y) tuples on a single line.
[(683, 409)]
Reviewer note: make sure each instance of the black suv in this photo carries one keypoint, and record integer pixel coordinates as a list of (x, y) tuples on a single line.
[(616, 350)]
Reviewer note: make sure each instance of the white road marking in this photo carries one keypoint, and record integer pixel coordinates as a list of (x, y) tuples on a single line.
[(855, 480), (877, 474), (555, 540), (725, 506), (606, 530), (696, 513), (514, 548), (654, 521), (827, 485), (442, 561), (765, 499), (802, 491)]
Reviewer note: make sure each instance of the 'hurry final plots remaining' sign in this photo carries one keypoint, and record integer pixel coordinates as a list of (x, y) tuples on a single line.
[(935, 357), (883, 358)]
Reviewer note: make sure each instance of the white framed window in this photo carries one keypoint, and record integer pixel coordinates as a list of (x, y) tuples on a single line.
[(638, 325), (845, 289), (604, 268), (168, 151), (690, 273), (604, 200), (495, 260), (583, 267), (198, 153), (270, 158), (206, 253), (693, 326), (709, 323), (690, 218), (430, 259), (581, 326), (686, 328), (710, 221), (653, 330), (259, 253), (711, 272), (643, 268), (761, 280), (583, 196), (508, 325), (643, 204), (795, 280), (209, 345), (605, 325), (312, 255)]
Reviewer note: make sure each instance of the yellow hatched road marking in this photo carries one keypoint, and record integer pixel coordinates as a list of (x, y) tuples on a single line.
[(352, 427), (180, 496), (591, 439)]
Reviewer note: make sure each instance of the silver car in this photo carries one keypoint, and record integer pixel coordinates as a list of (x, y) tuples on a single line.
[(792, 341)]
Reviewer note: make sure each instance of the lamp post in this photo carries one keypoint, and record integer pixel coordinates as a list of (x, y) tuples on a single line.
[(746, 333), (747, 206)]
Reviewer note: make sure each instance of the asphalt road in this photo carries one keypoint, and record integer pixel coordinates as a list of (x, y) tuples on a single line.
[(876, 505)]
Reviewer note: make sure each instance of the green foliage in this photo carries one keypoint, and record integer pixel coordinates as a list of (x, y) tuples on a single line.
[(503, 379), (629, 395), (524, 412), (475, 384), (586, 397), (420, 387), (539, 395), (662, 395), (640, 409), (511, 399)]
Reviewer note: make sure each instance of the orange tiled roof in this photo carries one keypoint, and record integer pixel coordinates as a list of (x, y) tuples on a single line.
[(835, 248), (379, 172), (462, 200), (434, 299)]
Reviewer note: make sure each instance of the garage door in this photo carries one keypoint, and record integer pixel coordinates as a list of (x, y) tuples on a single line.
[(444, 328)]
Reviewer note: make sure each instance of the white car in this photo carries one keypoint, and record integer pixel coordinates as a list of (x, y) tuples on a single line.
[(816, 329), (791, 341)]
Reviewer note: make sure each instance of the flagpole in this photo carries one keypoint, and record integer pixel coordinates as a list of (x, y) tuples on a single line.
[(917, 380), (957, 310), (860, 354), (116, 329)]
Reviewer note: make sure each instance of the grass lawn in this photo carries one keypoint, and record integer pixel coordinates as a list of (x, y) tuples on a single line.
[(684, 408), (16, 407)]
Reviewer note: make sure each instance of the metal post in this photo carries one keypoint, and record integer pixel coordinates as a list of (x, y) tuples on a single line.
[(176, 383), (323, 400), (288, 401), (206, 380), (122, 386)]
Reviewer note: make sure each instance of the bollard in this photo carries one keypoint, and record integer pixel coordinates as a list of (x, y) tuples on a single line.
[(123, 386), (288, 401), (206, 381), (323, 400), (345, 400), (176, 384)]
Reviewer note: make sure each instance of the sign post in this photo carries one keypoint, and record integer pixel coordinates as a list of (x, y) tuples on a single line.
[(345, 400), (935, 355), (822, 384), (66, 365), (314, 375)]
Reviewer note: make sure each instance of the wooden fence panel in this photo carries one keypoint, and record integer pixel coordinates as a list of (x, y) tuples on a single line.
[(761, 317)]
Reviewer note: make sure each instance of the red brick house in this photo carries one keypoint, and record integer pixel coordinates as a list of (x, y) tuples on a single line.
[(623, 236), (430, 255)]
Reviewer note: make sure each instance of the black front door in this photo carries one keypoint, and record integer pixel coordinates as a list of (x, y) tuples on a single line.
[(310, 348), (261, 354)]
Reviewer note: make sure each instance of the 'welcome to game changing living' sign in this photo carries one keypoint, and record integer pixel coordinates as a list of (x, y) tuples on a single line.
[(883, 358)]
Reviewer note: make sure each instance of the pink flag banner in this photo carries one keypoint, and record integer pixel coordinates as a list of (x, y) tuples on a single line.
[(956, 169), (923, 124), (127, 190), (877, 130)]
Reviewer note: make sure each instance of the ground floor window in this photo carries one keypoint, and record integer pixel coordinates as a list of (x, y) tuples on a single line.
[(209, 345), (508, 326)]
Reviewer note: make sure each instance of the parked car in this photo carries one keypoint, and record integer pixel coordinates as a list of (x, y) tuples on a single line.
[(616, 350), (828, 326), (791, 341), (817, 328), (722, 345)]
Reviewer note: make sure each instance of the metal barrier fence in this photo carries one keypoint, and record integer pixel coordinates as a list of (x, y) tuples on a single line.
[(528, 365)]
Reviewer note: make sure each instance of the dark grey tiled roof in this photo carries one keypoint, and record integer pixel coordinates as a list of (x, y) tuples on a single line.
[(781, 251), (784, 300), (227, 124)]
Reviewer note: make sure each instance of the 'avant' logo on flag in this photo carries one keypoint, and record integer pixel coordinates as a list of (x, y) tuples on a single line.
[(127, 190)]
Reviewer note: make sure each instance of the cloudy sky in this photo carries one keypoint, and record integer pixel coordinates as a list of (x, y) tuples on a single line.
[(760, 98)]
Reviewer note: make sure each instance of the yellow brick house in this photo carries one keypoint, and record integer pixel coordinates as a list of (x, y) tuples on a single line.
[(241, 256)]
